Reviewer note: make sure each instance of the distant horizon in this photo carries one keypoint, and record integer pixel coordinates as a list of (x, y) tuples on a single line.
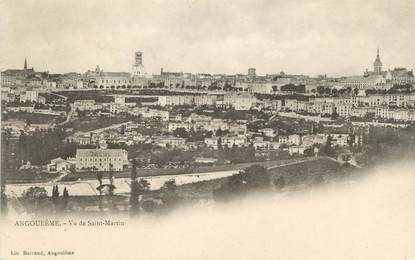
[(300, 37), (211, 73)]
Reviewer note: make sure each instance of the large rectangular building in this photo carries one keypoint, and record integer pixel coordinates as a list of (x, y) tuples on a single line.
[(100, 159)]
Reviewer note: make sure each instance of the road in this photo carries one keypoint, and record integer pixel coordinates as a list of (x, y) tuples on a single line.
[(87, 187), (68, 116), (107, 128), (297, 162)]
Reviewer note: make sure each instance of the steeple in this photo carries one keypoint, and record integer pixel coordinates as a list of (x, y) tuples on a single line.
[(377, 65), (25, 64)]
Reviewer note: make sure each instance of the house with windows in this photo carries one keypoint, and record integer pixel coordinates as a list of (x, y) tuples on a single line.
[(101, 159)]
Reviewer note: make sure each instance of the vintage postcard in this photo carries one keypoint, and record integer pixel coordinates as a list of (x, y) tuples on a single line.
[(206, 129)]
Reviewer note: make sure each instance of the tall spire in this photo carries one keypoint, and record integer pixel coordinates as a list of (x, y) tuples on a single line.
[(377, 65), (25, 63)]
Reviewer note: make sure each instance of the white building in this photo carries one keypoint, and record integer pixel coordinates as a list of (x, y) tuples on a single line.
[(85, 105), (212, 142), (239, 101), (101, 159), (29, 96)]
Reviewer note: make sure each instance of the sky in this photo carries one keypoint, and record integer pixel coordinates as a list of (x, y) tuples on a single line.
[(298, 37)]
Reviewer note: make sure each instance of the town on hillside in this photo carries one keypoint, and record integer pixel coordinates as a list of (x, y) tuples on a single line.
[(105, 142)]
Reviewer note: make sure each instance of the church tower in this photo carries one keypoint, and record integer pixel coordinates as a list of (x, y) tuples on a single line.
[(138, 66), (25, 64), (377, 65)]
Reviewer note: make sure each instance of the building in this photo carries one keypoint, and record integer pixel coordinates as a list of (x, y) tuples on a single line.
[(59, 164), (239, 101), (296, 149), (231, 141), (29, 96), (170, 141), (119, 99), (112, 80), (178, 100), (377, 65), (213, 142), (147, 113), (395, 114), (251, 73), (85, 105), (138, 66), (205, 100), (344, 110), (174, 125), (340, 139), (294, 139), (12, 77), (101, 159)]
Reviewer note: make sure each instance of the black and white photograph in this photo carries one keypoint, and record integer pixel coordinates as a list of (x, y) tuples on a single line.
[(207, 129)]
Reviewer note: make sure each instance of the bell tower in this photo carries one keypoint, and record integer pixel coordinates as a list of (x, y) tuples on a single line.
[(377, 65)]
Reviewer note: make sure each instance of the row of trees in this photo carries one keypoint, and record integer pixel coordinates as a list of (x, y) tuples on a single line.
[(42, 146), (36, 199)]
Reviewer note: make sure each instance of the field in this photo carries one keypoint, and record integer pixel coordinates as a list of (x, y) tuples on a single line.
[(34, 118), (173, 171), (310, 172), (98, 96), (297, 175), (14, 176), (86, 124)]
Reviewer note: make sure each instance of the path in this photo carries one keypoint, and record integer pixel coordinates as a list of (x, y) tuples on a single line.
[(99, 130), (68, 116)]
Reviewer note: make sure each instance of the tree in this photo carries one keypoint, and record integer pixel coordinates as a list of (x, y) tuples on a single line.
[(111, 178), (99, 178), (65, 193), (254, 178), (137, 188), (144, 185), (36, 198), (133, 174), (65, 198), (35, 193), (355, 91), (168, 193), (328, 149), (279, 183), (55, 193), (181, 132)]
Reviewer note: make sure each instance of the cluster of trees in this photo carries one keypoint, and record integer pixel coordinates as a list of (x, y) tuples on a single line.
[(325, 90), (396, 89), (386, 144), (168, 194), (230, 113), (35, 193), (237, 154), (293, 88), (169, 156), (253, 179), (43, 145), (137, 189), (36, 199), (83, 95), (327, 148), (60, 203)]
